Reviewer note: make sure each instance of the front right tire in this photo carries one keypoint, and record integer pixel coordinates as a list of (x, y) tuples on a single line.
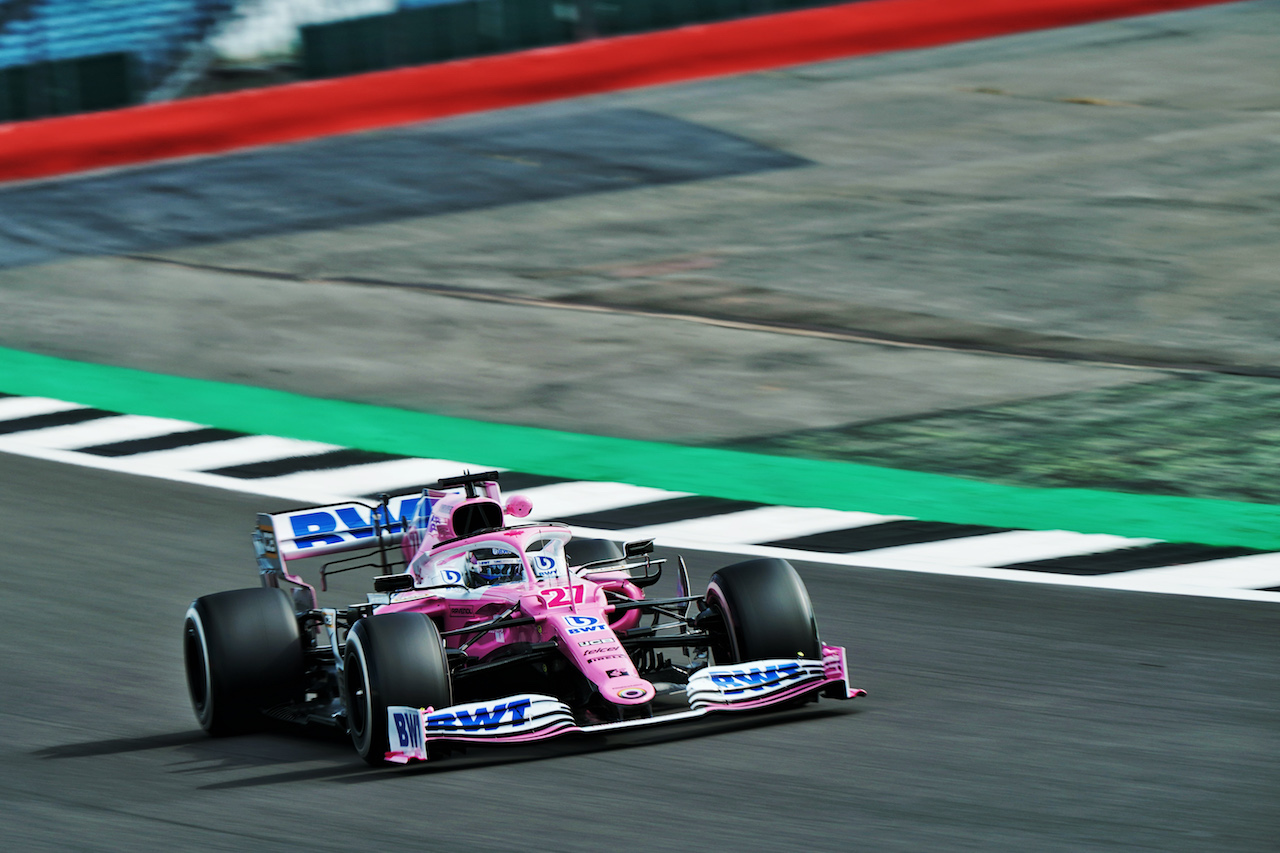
[(391, 659)]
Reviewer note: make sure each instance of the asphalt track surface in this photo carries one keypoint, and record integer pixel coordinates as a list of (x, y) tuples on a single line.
[(1002, 717)]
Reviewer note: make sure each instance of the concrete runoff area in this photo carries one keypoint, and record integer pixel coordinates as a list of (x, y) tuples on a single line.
[(376, 177), (1102, 189), (599, 372)]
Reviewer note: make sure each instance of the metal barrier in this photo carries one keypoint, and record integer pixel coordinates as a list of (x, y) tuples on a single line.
[(65, 56), (100, 82), (452, 30)]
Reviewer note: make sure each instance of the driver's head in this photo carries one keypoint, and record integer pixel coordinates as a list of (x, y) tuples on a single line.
[(493, 565)]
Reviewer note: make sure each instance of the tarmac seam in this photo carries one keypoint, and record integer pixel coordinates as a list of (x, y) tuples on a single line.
[(1047, 353)]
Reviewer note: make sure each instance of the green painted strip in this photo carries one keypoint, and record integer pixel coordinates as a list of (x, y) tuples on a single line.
[(718, 473)]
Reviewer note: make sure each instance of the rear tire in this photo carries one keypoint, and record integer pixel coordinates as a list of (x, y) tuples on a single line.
[(765, 611), (243, 654), (391, 659)]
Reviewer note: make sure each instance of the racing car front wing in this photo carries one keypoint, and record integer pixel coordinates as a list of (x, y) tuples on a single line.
[(531, 717)]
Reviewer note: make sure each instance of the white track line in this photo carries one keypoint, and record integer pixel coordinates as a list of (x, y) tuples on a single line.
[(762, 524), (1012, 546), (1159, 585), (391, 476), (12, 408), (126, 465), (104, 431), (1256, 571), (1237, 578), (564, 499), (233, 451)]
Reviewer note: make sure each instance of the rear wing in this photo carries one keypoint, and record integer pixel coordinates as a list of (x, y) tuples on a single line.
[(332, 529), (322, 531)]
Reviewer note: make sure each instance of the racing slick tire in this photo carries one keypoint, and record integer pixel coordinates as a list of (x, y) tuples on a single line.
[(764, 612), (243, 654), (579, 552), (391, 659)]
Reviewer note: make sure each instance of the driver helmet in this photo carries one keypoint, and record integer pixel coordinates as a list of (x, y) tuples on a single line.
[(487, 566)]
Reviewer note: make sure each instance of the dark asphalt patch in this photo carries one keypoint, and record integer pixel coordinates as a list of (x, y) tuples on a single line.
[(366, 178)]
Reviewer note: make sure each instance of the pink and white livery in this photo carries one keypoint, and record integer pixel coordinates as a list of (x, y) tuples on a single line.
[(482, 629)]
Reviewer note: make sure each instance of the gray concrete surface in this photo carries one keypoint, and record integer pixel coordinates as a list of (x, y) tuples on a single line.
[(536, 365), (1002, 717), (1104, 192), (1113, 183)]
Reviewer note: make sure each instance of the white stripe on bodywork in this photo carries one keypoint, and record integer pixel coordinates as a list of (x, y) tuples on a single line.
[(105, 431)]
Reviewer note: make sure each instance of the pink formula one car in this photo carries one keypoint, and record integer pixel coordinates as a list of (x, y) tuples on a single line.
[(485, 631)]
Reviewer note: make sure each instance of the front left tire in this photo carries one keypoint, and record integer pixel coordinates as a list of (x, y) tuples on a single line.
[(762, 611)]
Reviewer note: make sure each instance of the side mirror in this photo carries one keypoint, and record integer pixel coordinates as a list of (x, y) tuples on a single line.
[(639, 548), (393, 583)]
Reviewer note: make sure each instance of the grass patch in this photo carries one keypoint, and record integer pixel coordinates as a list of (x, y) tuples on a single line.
[(1189, 436)]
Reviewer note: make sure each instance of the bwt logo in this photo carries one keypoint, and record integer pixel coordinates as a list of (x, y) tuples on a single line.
[(583, 624), (408, 730), (479, 717), (326, 527), (756, 676)]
